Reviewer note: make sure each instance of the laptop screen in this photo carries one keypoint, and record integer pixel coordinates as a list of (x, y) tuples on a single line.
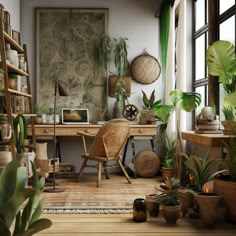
[(75, 116)]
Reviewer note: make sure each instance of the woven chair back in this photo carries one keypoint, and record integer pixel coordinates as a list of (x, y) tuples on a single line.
[(110, 139)]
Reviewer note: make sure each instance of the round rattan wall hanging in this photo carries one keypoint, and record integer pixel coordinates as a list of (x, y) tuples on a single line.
[(145, 69)]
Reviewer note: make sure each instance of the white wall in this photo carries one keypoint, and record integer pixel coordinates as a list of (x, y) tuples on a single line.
[(13, 7), (134, 19)]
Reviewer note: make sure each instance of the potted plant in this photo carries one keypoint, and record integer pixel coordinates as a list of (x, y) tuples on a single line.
[(186, 101), (119, 83), (168, 198), (147, 116), (12, 80), (21, 206), (221, 62), (230, 118), (168, 162), (38, 110), (225, 185)]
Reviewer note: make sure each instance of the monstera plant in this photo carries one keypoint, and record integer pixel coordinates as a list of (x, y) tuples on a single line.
[(21, 206)]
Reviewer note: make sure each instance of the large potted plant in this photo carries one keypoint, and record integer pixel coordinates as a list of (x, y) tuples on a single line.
[(21, 206), (119, 83), (221, 61), (186, 101)]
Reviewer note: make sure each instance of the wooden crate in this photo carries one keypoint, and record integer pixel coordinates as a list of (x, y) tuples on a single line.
[(66, 170), (46, 166)]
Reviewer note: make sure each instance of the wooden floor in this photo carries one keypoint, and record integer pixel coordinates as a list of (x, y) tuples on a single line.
[(121, 224)]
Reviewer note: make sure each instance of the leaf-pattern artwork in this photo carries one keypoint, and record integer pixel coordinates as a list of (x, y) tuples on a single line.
[(65, 52)]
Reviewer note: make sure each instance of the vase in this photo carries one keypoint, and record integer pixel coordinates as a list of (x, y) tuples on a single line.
[(208, 205), (139, 210), (12, 56), (171, 213), (117, 113), (5, 130)]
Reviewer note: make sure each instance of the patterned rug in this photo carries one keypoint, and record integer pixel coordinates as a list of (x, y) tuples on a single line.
[(115, 196)]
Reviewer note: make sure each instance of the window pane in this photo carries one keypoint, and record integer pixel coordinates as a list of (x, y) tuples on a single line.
[(200, 58), (225, 5), (227, 30), (201, 90), (199, 14)]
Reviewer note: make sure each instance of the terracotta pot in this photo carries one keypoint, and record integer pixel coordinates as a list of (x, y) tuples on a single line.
[(208, 205), (166, 172), (12, 83), (227, 189), (171, 213), (152, 205), (229, 126), (187, 201)]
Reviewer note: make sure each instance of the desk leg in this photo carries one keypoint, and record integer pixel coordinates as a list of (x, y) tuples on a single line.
[(58, 149), (133, 152), (152, 144), (125, 151)]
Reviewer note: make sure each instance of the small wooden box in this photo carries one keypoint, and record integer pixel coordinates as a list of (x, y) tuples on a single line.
[(46, 166), (66, 170)]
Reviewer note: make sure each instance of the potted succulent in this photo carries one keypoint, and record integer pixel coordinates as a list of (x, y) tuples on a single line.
[(168, 198), (38, 111), (221, 61), (21, 206)]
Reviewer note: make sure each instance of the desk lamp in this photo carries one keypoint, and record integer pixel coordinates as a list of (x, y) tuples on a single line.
[(61, 92)]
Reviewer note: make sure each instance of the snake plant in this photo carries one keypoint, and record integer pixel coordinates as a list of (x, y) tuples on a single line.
[(21, 206)]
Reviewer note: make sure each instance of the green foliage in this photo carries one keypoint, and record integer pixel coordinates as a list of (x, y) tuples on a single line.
[(169, 192), (228, 112), (221, 62), (12, 75), (103, 51), (150, 102), (3, 120), (20, 206), (203, 170), (121, 56), (167, 163), (1, 71), (39, 109), (120, 90)]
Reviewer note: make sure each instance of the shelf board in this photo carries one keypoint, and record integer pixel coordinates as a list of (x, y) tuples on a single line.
[(19, 93), (12, 68), (13, 42)]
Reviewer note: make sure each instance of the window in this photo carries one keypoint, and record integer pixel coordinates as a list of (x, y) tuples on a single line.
[(226, 30)]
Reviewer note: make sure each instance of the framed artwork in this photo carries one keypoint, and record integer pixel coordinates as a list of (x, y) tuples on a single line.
[(16, 36), (65, 46)]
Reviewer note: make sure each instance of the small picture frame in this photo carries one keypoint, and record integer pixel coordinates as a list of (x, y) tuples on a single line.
[(16, 36)]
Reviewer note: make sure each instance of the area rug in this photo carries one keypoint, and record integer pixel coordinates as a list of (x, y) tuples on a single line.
[(115, 196)]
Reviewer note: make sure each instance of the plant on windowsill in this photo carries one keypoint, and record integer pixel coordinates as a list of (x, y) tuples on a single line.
[(221, 61)]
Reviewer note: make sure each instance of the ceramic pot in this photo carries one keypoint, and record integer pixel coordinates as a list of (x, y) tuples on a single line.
[(12, 56), (171, 213), (187, 201), (6, 131), (208, 205), (166, 172), (152, 206), (5, 158), (12, 83)]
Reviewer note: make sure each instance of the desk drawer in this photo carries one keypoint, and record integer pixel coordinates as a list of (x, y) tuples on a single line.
[(143, 131)]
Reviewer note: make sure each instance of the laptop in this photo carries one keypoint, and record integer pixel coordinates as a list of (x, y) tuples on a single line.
[(74, 116)]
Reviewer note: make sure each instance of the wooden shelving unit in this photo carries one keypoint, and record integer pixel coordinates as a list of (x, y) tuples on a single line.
[(9, 93)]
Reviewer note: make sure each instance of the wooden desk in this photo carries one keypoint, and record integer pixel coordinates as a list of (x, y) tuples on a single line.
[(210, 140), (142, 131), (136, 132)]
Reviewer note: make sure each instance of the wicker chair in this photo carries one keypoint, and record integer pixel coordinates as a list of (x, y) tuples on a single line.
[(107, 146)]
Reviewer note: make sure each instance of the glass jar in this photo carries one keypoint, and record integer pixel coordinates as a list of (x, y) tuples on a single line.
[(139, 210)]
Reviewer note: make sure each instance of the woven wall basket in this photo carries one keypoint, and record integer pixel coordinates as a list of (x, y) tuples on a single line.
[(145, 69)]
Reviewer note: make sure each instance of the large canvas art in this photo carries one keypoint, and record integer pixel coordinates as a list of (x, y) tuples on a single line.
[(65, 40)]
